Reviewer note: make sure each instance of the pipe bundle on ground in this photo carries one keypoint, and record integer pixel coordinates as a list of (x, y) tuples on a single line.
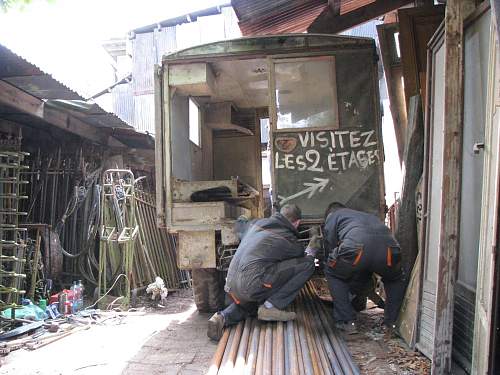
[(155, 250), (307, 345)]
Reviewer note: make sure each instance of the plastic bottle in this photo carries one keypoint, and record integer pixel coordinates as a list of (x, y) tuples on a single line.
[(74, 303), (81, 288), (63, 297)]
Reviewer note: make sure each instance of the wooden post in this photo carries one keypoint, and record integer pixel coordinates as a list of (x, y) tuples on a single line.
[(495, 4), (456, 12)]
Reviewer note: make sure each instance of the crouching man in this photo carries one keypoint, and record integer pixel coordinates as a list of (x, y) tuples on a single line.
[(359, 244), (267, 271)]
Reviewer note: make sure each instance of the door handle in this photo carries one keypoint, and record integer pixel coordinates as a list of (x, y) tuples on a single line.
[(478, 146)]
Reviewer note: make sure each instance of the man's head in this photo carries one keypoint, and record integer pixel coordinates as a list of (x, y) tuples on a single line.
[(293, 213), (332, 207)]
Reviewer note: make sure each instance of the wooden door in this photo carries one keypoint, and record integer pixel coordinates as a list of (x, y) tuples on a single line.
[(476, 53), (482, 355), (433, 173)]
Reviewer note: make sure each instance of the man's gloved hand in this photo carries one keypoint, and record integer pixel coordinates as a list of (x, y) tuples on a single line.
[(314, 242)]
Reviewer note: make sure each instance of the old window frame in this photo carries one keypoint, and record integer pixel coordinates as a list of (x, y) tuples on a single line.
[(273, 112), (194, 140)]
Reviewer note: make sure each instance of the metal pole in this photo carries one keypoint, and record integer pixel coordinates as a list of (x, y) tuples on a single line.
[(219, 352)]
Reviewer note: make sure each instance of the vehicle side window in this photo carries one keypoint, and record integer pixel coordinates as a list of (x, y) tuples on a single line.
[(305, 93)]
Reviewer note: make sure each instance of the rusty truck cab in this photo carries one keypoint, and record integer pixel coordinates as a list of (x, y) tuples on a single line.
[(320, 94)]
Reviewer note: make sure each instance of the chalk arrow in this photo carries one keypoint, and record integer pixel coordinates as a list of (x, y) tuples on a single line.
[(310, 190)]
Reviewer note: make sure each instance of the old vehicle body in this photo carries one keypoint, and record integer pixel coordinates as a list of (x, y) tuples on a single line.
[(320, 93)]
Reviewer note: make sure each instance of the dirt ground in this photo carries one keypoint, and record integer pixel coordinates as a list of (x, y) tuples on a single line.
[(172, 340), (375, 350), (379, 352)]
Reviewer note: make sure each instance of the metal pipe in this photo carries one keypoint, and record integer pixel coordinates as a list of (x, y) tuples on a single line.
[(298, 348), (274, 363), (303, 346), (306, 356), (313, 350), (243, 348), (253, 349), (317, 333), (219, 352), (260, 352), (280, 349), (228, 365), (268, 352), (230, 342), (344, 357), (330, 353), (292, 359)]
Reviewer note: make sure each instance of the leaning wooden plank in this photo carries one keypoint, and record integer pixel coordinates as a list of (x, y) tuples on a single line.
[(406, 231), (456, 12)]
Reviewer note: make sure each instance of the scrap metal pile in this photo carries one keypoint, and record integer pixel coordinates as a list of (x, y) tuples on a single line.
[(12, 244), (308, 345), (35, 335), (63, 217)]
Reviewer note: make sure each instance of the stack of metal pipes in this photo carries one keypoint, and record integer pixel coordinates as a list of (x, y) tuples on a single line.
[(155, 249), (307, 345)]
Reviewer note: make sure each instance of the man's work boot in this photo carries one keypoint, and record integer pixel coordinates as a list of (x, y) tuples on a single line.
[(273, 314), (215, 326), (346, 327)]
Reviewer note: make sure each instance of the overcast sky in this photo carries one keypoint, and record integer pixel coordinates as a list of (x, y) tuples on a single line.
[(64, 37)]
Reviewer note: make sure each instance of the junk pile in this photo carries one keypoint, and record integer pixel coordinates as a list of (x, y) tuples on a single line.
[(155, 248), (307, 345), (64, 196), (131, 246), (62, 217), (12, 235), (43, 328)]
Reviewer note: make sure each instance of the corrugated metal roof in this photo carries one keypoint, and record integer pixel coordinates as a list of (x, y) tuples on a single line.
[(262, 17), (28, 77), (19, 72), (259, 17), (347, 6)]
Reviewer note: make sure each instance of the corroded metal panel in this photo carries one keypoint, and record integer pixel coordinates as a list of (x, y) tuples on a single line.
[(144, 112), (339, 160), (196, 249), (203, 213), (143, 61)]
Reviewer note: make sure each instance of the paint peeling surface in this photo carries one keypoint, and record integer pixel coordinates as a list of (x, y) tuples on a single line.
[(314, 168)]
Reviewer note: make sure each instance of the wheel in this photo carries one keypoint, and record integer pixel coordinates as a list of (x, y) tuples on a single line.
[(208, 289)]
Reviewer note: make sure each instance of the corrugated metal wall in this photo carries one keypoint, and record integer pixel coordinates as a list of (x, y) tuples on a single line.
[(123, 102), (134, 102)]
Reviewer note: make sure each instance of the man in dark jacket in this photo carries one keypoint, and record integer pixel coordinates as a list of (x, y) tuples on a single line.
[(268, 269), (359, 244)]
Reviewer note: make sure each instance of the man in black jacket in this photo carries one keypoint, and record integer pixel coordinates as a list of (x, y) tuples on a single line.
[(359, 244), (268, 269)]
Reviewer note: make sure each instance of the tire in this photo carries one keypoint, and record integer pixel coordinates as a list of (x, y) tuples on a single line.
[(208, 289)]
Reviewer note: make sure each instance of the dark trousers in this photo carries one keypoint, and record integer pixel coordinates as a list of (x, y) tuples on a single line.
[(279, 285), (353, 278)]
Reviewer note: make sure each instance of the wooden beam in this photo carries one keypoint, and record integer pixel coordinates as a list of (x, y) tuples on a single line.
[(416, 27), (20, 100), (423, 3), (73, 125), (329, 23), (456, 12), (31, 105), (495, 4), (393, 76), (334, 6)]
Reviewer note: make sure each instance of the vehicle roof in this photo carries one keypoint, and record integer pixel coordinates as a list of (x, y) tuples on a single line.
[(262, 46)]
